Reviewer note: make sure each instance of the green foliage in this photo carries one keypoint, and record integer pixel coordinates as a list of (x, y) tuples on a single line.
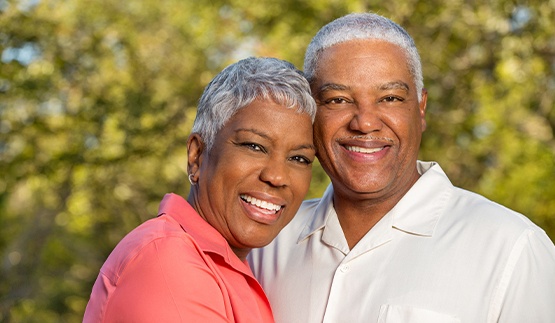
[(97, 99)]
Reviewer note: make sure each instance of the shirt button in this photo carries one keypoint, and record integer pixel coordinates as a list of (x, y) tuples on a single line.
[(344, 268)]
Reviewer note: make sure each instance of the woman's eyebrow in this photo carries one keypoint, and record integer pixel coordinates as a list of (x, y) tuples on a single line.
[(265, 136), (305, 147), (252, 130)]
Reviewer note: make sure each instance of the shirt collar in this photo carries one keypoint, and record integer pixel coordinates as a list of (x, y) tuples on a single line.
[(422, 206), (323, 211), (205, 235), (416, 213)]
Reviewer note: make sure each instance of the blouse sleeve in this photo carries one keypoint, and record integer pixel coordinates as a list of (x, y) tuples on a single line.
[(168, 281)]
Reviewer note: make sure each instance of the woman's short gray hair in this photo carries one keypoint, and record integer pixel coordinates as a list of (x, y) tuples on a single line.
[(364, 26), (239, 84)]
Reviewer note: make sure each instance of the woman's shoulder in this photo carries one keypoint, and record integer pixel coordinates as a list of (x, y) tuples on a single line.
[(157, 238)]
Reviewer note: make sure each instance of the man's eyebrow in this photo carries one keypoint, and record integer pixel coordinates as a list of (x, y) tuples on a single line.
[(332, 87), (395, 85)]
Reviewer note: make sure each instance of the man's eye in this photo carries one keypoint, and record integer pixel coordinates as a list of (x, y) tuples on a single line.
[(392, 99), (336, 101)]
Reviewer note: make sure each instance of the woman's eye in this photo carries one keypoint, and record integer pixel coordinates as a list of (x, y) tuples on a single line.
[(253, 146), (302, 160)]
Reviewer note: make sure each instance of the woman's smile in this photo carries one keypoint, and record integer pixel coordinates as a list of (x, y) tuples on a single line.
[(259, 210), (257, 173)]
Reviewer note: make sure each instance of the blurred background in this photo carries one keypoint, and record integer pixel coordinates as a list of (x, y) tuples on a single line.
[(97, 99)]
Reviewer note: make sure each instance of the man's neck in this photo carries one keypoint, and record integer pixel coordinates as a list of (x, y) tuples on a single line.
[(358, 214), (359, 217)]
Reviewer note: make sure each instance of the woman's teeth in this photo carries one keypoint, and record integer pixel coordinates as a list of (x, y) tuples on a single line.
[(260, 203)]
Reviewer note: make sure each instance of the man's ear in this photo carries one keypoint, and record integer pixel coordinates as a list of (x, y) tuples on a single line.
[(195, 148), (422, 108)]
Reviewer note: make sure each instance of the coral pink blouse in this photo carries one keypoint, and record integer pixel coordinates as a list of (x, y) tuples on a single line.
[(176, 268)]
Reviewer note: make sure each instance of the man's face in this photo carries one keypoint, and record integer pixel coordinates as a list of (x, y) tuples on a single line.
[(369, 122)]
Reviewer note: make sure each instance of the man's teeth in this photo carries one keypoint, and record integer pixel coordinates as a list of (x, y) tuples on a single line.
[(363, 150), (260, 203)]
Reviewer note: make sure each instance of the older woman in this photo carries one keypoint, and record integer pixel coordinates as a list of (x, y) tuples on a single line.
[(249, 165)]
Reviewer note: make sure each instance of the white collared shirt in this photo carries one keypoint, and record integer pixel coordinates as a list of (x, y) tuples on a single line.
[(442, 254)]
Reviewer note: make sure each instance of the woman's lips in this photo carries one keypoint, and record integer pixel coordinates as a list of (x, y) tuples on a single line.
[(260, 210), (260, 203)]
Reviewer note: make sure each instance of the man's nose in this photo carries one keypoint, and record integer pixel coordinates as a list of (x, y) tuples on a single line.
[(366, 119)]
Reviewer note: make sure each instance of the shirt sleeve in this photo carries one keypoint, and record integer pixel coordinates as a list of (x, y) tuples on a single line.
[(168, 281), (528, 281)]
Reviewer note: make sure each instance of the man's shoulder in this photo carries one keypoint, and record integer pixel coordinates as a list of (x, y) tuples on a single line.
[(483, 214), (471, 208), (309, 205), (291, 233), (308, 211)]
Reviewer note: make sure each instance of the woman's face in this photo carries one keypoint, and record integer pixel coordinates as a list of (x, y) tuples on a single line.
[(258, 172)]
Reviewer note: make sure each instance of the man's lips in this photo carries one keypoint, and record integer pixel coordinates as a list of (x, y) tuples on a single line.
[(365, 145), (364, 150)]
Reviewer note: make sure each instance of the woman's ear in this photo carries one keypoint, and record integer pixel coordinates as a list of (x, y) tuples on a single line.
[(195, 148)]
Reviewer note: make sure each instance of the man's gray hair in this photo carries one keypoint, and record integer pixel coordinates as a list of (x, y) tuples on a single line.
[(364, 26), (239, 84)]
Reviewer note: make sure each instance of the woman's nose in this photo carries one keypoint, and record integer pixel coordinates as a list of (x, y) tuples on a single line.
[(275, 172)]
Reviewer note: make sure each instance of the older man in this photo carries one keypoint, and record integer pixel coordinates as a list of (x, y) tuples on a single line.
[(392, 240)]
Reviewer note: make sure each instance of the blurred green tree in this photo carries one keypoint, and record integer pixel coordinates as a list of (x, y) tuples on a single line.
[(97, 99)]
